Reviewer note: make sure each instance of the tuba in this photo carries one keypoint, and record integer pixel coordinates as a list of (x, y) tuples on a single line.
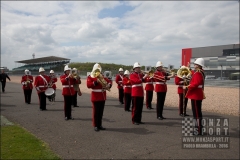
[(185, 74), (97, 74)]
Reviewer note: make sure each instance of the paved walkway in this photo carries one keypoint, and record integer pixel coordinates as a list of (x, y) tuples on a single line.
[(76, 139)]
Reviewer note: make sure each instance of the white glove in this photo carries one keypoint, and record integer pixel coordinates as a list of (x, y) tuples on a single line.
[(184, 77)]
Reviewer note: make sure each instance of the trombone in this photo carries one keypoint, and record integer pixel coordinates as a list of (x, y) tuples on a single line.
[(152, 75)]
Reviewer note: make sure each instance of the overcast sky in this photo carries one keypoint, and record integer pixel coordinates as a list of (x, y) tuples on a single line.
[(114, 31)]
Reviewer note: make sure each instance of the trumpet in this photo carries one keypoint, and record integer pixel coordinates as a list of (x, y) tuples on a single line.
[(101, 80)]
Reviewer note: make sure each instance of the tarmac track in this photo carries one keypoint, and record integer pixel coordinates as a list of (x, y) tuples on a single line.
[(76, 139)]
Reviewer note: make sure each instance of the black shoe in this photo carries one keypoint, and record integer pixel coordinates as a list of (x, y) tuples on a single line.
[(75, 106), (66, 118), (101, 128), (186, 114), (160, 118), (181, 115), (163, 117), (141, 123), (148, 108), (71, 118), (41, 109), (135, 123), (151, 108), (96, 129), (129, 110)]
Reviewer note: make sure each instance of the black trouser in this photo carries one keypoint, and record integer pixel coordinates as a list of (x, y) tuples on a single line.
[(98, 108), (160, 103), (149, 96), (197, 113), (27, 95), (127, 101), (42, 100), (74, 100), (121, 95), (3, 85), (137, 109), (68, 106), (182, 109)]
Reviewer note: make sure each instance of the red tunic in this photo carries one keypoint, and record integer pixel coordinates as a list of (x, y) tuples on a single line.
[(161, 84), (149, 84), (40, 84), (195, 88), (119, 79), (67, 84), (24, 80), (179, 82), (98, 93), (127, 85), (54, 80), (137, 86)]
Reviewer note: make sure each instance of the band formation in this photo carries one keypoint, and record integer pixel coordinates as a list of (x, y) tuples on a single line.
[(130, 87)]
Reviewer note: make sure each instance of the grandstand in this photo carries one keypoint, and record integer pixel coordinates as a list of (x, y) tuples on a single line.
[(52, 62)]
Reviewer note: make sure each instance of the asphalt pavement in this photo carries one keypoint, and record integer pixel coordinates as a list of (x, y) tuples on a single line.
[(76, 139)]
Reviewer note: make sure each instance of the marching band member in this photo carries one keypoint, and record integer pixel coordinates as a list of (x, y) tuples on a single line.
[(161, 88), (27, 86), (195, 92), (41, 84), (98, 84), (76, 87), (53, 80), (137, 78), (119, 79), (181, 82), (68, 91), (3, 77), (127, 91), (149, 91)]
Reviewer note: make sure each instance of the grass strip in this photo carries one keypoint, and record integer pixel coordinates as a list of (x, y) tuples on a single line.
[(18, 143)]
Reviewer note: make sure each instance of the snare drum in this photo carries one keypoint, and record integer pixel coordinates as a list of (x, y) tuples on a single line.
[(49, 91)]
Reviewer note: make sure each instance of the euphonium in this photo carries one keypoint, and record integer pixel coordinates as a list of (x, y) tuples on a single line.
[(101, 80), (185, 74)]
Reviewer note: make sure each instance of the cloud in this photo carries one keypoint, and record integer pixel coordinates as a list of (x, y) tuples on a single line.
[(114, 31)]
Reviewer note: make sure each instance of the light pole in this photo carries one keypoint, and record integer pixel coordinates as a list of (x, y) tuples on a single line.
[(221, 72)]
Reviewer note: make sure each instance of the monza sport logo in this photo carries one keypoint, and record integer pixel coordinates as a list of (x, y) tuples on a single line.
[(205, 133)]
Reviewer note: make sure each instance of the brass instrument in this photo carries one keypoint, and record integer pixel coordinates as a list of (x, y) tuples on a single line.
[(97, 74), (50, 84), (152, 75), (185, 74), (28, 80)]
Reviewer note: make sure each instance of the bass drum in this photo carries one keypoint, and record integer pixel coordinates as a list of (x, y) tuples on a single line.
[(49, 91)]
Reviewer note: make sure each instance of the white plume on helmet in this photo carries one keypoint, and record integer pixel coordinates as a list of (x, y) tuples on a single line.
[(51, 71), (120, 70), (96, 66), (126, 72), (199, 61), (66, 68), (159, 63), (136, 64), (41, 69)]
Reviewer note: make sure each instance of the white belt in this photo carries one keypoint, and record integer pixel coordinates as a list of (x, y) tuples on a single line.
[(181, 82), (119, 81), (159, 82), (200, 86), (128, 86), (64, 86), (98, 90), (42, 86), (136, 85), (149, 82)]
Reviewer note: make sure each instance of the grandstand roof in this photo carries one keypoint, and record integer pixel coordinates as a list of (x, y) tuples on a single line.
[(43, 59)]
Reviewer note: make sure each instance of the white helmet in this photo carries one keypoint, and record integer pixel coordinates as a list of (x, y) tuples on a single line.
[(74, 69), (120, 70), (199, 61), (26, 70), (136, 64), (159, 63), (66, 68), (126, 72), (97, 66), (41, 69), (51, 71)]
